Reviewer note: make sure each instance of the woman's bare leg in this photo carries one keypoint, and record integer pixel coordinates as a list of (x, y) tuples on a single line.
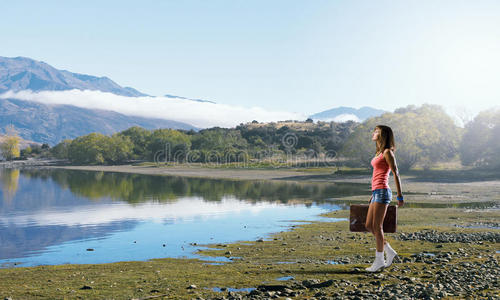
[(379, 211), (369, 218), (374, 221)]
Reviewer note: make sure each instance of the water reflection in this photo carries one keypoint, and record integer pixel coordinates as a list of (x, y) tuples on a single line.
[(135, 188), (9, 179), (56, 215)]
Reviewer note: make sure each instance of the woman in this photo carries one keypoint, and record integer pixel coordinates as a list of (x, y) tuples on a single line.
[(383, 163)]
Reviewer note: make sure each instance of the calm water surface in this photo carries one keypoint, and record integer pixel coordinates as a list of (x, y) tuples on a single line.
[(64, 216)]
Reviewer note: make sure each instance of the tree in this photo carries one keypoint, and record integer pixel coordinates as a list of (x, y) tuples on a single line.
[(28, 152), (117, 149), (480, 145), (87, 149), (224, 145), (219, 139), (9, 146), (423, 135), (61, 150), (96, 148), (166, 141), (139, 138), (358, 146), (304, 141)]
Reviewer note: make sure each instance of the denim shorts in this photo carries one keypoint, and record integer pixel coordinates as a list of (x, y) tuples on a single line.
[(383, 196)]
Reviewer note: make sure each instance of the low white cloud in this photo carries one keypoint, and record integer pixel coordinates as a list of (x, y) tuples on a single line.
[(346, 117), (341, 118), (199, 114)]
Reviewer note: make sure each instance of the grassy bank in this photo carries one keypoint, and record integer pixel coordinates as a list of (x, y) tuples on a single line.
[(302, 253)]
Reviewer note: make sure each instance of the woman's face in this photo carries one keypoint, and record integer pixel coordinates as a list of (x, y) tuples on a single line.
[(376, 134)]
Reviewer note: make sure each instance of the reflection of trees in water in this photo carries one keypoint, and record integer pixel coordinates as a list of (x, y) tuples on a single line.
[(136, 188), (9, 178)]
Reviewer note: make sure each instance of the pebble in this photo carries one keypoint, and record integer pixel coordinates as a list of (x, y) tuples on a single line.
[(434, 236), (437, 280), (86, 287)]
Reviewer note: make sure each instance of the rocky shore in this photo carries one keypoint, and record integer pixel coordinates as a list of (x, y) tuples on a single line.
[(31, 163), (442, 277), (434, 236)]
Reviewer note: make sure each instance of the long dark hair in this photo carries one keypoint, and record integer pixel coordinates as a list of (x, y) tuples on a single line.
[(385, 139)]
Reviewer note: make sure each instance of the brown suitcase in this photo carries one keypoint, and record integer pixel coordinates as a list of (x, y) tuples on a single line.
[(358, 214)]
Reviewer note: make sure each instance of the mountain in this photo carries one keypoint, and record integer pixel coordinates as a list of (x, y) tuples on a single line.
[(44, 123), (344, 113), (22, 73), (53, 123)]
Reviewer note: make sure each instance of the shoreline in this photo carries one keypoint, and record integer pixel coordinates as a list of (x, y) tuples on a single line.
[(418, 191), (203, 172)]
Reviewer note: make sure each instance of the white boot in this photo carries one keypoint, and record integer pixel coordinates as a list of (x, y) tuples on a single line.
[(390, 253), (378, 263)]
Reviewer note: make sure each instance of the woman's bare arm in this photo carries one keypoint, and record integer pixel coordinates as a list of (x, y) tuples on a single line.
[(391, 160)]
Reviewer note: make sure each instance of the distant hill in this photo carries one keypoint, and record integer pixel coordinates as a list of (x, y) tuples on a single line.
[(53, 123), (343, 113), (22, 73)]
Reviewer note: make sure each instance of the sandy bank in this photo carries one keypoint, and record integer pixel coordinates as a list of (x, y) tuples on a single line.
[(196, 171)]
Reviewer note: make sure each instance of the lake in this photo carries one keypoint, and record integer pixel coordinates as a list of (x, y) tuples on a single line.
[(54, 216)]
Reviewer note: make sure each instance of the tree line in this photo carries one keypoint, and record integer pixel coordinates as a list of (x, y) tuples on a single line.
[(222, 145), (425, 135)]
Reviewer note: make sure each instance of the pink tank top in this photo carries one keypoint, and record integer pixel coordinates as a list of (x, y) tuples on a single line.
[(381, 170)]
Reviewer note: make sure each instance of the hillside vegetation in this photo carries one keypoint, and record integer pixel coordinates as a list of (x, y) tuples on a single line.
[(425, 136)]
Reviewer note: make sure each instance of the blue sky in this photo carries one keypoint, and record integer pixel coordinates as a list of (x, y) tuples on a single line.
[(297, 56)]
